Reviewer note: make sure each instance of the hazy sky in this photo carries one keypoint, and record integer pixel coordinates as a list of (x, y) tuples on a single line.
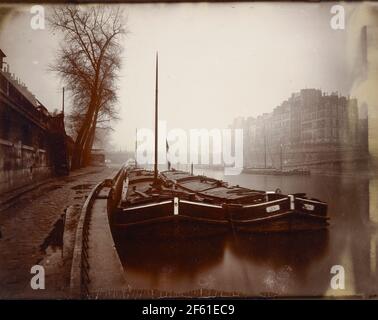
[(216, 61)]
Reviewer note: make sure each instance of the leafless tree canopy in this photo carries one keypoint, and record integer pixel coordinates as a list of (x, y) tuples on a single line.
[(88, 61)]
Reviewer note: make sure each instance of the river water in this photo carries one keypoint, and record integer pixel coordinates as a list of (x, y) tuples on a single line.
[(297, 264)]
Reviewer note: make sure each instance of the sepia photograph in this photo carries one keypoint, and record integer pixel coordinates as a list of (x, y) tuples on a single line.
[(190, 150)]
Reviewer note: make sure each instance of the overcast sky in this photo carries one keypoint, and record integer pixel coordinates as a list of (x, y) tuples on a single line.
[(216, 61)]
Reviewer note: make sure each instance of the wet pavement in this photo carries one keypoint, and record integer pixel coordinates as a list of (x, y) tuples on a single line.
[(32, 233)]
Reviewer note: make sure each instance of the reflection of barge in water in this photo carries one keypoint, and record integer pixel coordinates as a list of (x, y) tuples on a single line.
[(183, 257), (179, 203)]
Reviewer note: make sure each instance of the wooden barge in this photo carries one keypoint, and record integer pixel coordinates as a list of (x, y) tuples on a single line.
[(182, 204)]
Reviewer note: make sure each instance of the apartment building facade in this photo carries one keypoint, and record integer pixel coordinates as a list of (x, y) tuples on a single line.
[(310, 128)]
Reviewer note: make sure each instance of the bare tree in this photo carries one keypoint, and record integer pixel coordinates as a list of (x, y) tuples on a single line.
[(88, 61)]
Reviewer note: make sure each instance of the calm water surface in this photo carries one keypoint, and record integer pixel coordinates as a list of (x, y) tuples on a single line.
[(286, 265)]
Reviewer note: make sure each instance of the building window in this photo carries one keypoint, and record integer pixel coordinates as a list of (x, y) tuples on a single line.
[(26, 135), (5, 125), (41, 141)]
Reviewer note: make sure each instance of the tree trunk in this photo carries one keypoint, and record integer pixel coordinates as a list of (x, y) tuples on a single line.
[(89, 141), (78, 152)]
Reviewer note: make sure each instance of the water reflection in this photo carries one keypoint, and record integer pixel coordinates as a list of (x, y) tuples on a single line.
[(295, 264), (374, 257), (297, 250), (251, 264), (373, 214), (373, 193), (183, 256)]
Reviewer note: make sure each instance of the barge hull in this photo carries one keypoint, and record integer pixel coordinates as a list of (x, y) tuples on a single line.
[(290, 221), (171, 226)]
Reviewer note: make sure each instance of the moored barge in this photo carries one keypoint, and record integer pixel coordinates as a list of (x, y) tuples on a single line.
[(178, 203)]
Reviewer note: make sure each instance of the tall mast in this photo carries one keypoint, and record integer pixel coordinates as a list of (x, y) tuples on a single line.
[(136, 147), (156, 119), (63, 101), (264, 146)]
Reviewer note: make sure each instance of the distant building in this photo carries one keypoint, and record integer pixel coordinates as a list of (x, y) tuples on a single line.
[(97, 157), (309, 128), (119, 157), (367, 75)]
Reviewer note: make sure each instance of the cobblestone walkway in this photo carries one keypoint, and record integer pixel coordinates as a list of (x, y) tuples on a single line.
[(27, 234)]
